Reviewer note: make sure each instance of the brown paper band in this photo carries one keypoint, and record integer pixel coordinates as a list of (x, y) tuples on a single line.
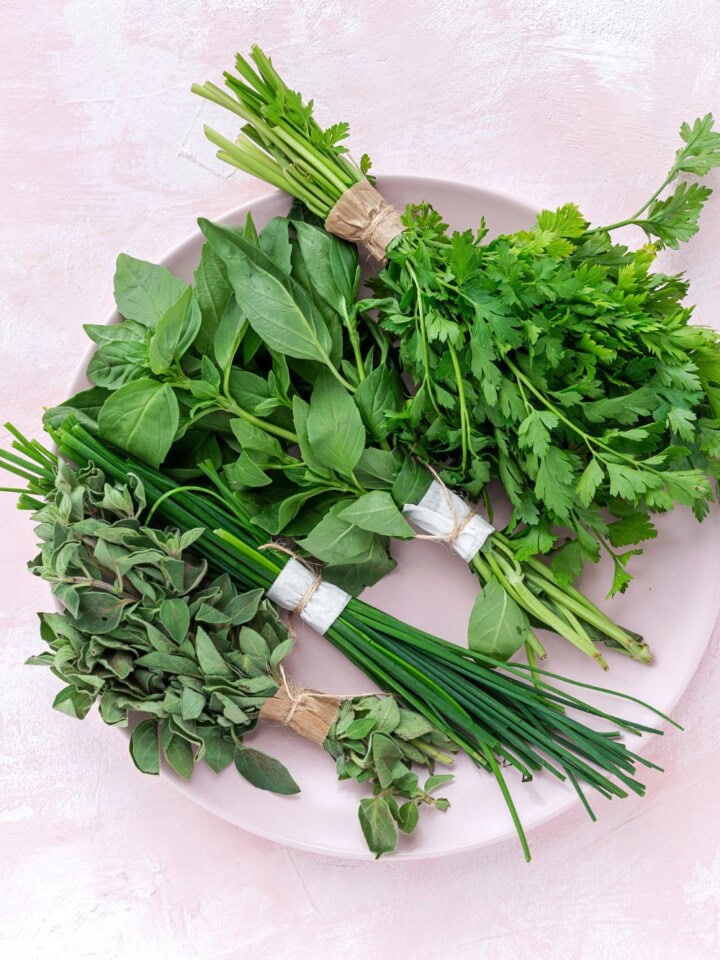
[(363, 216), (307, 712)]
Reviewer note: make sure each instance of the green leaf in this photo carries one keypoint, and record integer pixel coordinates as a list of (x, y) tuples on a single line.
[(378, 825), (332, 264), (534, 431), (275, 307), (386, 756), (674, 220), (142, 417), (376, 511), (377, 469), (274, 242), (211, 662), (334, 426), (192, 703), (360, 728), (437, 781), (244, 473), (84, 406), (498, 627), (631, 529), (219, 749), (179, 755), (145, 748), (566, 221), (334, 540), (378, 395), (168, 663), (408, 816), (73, 702), (701, 154), (264, 772), (228, 335), (100, 612), (117, 363), (554, 484), (213, 291), (174, 333), (251, 437), (590, 479), (175, 617), (144, 291)]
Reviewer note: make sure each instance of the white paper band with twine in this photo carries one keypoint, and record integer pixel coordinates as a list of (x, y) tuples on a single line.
[(299, 590), (445, 516)]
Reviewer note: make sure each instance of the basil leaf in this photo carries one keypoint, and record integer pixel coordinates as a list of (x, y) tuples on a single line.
[(336, 541), (251, 437), (377, 395), (213, 291), (334, 427), (144, 747), (377, 469), (117, 363), (276, 516), (141, 417), (251, 392), (274, 242), (498, 627), (264, 772), (275, 307), (376, 511), (175, 332), (228, 335), (332, 264), (128, 331), (244, 473), (144, 291), (85, 406)]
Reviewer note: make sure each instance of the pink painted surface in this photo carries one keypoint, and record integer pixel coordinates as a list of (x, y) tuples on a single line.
[(547, 100)]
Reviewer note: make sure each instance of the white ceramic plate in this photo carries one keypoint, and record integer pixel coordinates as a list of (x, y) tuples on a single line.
[(673, 601)]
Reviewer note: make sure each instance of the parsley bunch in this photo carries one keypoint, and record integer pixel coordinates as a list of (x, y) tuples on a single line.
[(553, 359)]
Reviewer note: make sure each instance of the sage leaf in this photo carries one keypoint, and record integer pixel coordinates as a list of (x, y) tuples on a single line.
[(334, 426), (73, 702), (145, 748), (378, 825), (99, 612), (408, 816), (264, 772), (219, 749), (144, 291), (210, 660), (175, 617), (498, 627), (192, 703), (179, 755), (141, 417)]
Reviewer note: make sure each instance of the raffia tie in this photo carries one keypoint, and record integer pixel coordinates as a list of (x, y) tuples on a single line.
[(459, 525), (314, 586)]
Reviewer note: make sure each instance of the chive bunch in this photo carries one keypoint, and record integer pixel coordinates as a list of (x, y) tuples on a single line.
[(500, 714)]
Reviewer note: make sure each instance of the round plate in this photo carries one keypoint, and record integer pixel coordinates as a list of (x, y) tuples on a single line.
[(673, 601)]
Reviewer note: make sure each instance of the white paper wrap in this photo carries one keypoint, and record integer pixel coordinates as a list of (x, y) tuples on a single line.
[(323, 608), (434, 515)]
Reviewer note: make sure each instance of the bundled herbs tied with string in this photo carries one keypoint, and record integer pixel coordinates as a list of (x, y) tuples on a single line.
[(144, 630), (497, 713), (553, 359)]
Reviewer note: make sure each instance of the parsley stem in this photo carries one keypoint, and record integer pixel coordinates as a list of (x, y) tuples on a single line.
[(464, 418)]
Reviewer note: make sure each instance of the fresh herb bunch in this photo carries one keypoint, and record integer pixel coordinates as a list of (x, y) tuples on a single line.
[(497, 713), (553, 359), (377, 740), (145, 631), (301, 435)]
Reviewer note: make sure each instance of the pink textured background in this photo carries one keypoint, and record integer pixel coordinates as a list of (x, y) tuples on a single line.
[(102, 151)]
